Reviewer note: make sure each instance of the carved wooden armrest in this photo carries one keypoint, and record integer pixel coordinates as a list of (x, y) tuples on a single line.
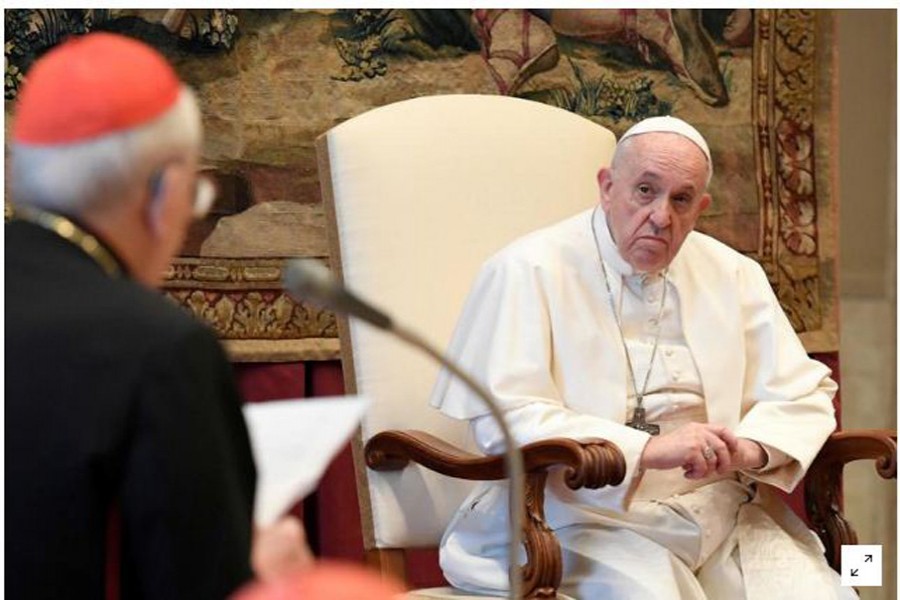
[(591, 464), (823, 482)]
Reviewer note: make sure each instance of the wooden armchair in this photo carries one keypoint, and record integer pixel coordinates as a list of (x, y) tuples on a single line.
[(418, 194)]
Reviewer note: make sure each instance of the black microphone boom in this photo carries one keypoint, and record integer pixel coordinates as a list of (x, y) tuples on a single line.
[(308, 279)]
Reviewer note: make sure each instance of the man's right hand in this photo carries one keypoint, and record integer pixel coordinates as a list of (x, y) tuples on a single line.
[(279, 549), (700, 449)]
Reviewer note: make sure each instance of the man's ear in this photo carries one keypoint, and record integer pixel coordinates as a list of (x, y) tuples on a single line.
[(158, 198), (604, 182), (705, 201)]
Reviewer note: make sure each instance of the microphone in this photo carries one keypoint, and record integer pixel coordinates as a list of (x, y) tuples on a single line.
[(307, 279), (310, 280)]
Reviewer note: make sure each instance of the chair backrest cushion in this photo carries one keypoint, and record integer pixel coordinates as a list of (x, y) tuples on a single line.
[(420, 193)]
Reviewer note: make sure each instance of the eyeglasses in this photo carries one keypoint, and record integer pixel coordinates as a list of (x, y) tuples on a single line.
[(204, 196), (204, 193)]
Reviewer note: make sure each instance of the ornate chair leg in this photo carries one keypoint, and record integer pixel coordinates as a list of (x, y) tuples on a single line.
[(543, 572)]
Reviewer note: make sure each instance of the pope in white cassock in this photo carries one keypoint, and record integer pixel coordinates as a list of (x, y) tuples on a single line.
[(624, 324)]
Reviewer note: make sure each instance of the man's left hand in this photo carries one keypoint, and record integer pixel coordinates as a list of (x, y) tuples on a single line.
[(749, 455)]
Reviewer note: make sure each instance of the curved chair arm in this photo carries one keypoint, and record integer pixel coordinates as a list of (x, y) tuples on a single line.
[(823, 482), (592, 464)]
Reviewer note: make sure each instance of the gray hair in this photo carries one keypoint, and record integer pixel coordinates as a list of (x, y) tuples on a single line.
[(82, 177)]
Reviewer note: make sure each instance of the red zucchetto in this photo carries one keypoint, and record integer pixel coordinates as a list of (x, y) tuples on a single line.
[(90, 86)]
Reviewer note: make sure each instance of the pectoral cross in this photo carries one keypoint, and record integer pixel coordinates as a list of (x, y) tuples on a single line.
[(639, 421)]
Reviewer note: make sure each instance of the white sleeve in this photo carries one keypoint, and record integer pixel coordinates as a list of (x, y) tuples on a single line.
[(788, 396), (503, 340)]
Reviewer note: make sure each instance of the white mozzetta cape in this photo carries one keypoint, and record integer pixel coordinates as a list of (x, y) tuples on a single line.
[(538, 329)]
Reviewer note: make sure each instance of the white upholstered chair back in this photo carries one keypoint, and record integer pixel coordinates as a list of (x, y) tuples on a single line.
[(419, 193)]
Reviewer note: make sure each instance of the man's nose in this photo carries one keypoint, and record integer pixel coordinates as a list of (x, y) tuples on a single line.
[(661, 217)]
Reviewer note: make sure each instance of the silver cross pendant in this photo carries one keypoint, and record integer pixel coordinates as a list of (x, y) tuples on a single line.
[(639, 421)]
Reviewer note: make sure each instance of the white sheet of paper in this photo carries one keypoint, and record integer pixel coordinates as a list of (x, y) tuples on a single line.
[(293, 443)]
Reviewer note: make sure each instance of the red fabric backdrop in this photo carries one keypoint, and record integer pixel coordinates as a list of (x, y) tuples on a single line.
[(331, 514)]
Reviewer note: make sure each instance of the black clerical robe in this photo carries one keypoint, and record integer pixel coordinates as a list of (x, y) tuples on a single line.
[(117, 402)]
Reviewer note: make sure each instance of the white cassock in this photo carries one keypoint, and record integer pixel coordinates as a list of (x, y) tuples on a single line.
[(539, 331)]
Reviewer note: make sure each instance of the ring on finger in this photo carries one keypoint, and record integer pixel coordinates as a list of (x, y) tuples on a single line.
[(709, 453)]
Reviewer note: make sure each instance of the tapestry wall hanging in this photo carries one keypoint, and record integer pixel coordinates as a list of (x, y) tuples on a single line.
[(757, 83)]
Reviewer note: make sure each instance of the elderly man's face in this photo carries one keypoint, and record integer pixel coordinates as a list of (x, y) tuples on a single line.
[(652, 197)]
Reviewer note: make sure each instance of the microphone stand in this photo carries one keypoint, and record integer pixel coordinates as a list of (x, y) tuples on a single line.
[(514, 465), (310, 280)]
